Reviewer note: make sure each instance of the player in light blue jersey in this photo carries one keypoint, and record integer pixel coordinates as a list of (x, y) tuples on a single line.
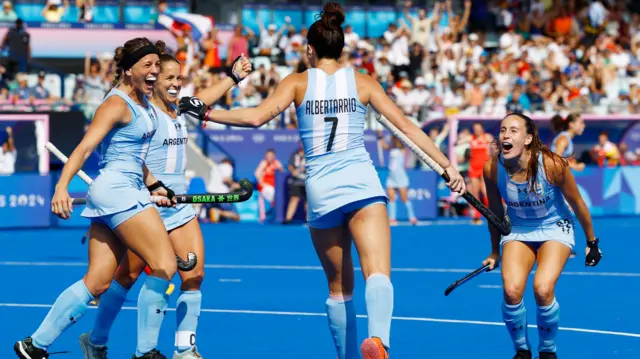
[(542, 200), (562, 144), (397, 180), (118, 205), (345, 197), (167, 160)]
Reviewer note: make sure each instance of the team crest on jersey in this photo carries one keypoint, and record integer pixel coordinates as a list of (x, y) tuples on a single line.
[(177, 125)]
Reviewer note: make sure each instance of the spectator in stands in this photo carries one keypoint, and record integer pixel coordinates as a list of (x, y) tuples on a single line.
[(239, 44), (39, 92), (296, 183), (422, 26), (8, 154), (17, 41), (268, 44), (629, 157), (54, 10), (95, 83), (221, 181), (605, 153), (8, 14), (266, 176), (22, 93), (85, 10), (161, 8)]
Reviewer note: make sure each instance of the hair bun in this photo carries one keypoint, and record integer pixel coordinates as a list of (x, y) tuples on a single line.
[(119, 52), (161, 46), (332, 15)]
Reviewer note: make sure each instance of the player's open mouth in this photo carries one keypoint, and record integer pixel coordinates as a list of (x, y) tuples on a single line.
[(172, 92), (150, 80), (506, 146)]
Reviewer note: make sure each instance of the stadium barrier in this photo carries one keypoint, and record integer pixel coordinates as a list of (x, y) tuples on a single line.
[(25, 200)]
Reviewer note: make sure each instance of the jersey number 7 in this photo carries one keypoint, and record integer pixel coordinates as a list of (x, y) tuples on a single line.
[(332, 135)]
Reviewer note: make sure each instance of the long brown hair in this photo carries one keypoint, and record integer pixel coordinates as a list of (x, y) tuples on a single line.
[(536, 147)]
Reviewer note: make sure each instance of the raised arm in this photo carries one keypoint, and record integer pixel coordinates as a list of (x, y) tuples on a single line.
[(241, 67), (273, 105)]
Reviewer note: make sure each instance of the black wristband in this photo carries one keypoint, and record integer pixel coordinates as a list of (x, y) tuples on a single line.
[(236, 79), (155, 186), (593, 243)]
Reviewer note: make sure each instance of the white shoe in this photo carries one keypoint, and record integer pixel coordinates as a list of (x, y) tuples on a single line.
[(189, 354)]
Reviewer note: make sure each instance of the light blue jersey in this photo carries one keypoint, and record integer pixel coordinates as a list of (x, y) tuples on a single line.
[(567, 151), (119, 192), (398, 177), (539, 215), (331, 125), (167, 161)]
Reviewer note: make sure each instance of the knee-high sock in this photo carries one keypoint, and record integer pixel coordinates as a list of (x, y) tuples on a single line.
[(68, 308), (515, 318), (379, 299), (110, 305), (410, 213), (187, 315), (152, 307), (393, 209), (341, 313), (548, 322)]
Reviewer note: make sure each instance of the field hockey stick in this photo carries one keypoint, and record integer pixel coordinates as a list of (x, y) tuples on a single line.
[(503, 226), (183, 265), (228, 197), (461, 281)]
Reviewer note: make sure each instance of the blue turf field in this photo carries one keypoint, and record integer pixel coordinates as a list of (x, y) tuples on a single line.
[(264, 295)]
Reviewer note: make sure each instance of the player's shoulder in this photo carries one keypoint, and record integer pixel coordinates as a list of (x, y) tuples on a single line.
[(554, 166), (114, 105)]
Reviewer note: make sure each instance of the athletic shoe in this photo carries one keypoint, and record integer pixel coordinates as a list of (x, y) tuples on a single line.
[(189, 354), (154, 354), (26, 350), (523, 354), (372, 348), (91, 351), (548, 355)]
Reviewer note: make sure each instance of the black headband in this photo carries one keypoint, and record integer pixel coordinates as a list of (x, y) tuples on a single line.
[(127, 61)]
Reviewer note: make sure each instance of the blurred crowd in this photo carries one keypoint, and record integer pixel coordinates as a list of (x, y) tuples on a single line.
[(543, 57)]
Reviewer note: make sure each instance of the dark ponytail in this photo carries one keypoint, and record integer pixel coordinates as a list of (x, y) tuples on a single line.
[(326, 34), (536, 147)]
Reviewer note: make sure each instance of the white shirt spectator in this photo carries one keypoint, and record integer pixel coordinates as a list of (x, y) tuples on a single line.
[(219, 174), (351, 40), (400, 51), (268, 41), (7, 162)]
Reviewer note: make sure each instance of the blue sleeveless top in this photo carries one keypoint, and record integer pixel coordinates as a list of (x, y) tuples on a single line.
[(331, 117), (125, 147), (525, 207), (569, 150)]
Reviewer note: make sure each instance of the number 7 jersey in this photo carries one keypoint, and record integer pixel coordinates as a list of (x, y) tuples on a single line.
[(331, 117), (331, 125)]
